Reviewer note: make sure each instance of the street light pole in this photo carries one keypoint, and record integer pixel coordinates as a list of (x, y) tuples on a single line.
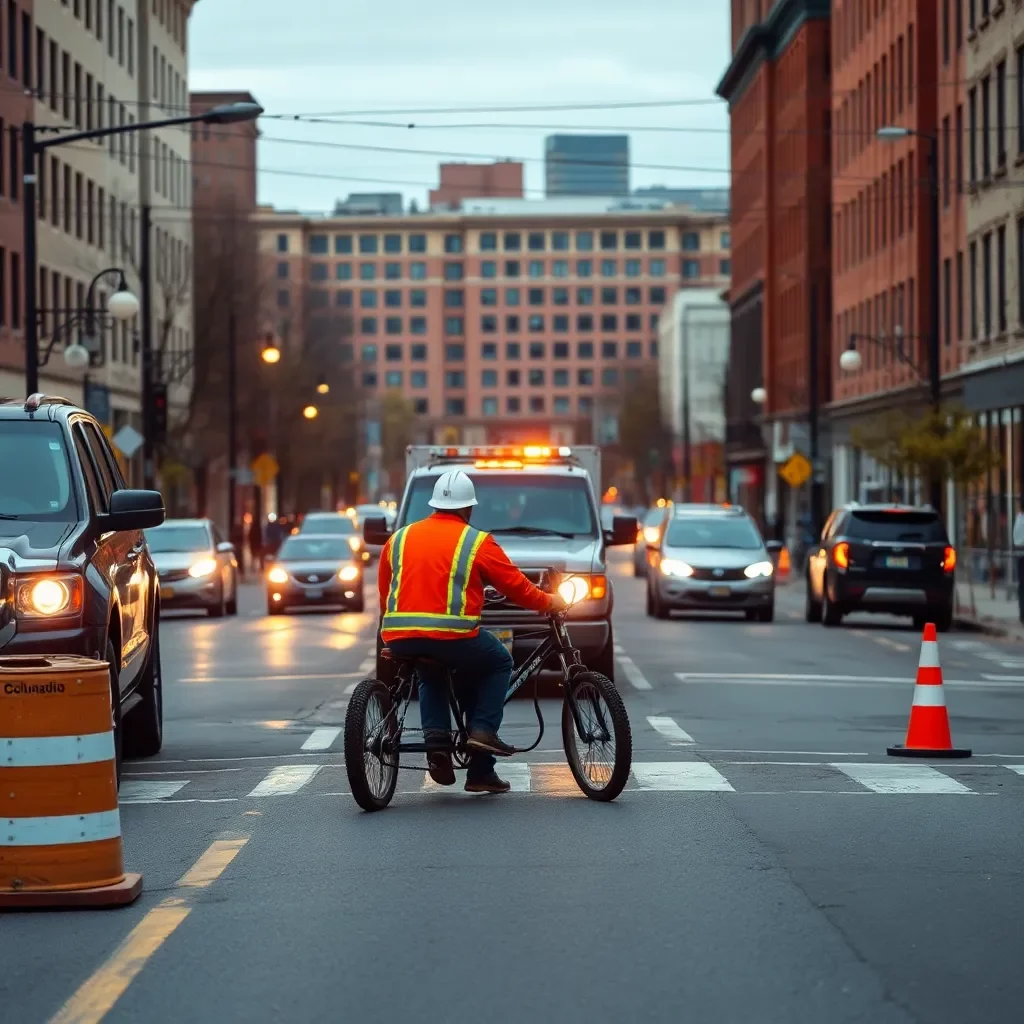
[(232, 423), (145, 275), (813, 407), (934, 368)]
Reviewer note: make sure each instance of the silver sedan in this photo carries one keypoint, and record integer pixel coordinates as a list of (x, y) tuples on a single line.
[(196, 567)]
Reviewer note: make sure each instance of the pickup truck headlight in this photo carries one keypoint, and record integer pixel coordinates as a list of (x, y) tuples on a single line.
[(48, 597), (752, 572), (674, 567), (204, 567)]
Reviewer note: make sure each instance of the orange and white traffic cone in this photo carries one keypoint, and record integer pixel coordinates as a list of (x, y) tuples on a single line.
[(928, 732)]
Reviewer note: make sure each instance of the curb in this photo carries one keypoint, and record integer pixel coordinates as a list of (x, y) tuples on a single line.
[(993, 627)]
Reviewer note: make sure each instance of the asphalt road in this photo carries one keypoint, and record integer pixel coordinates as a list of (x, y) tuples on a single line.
[(767, 863)]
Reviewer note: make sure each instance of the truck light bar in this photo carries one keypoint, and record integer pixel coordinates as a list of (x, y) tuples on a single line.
[(503, 457)]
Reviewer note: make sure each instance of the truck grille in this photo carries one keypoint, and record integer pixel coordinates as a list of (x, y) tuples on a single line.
[(724, 575)]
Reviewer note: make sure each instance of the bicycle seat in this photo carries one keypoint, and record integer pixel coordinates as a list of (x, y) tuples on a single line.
[(416, 659)]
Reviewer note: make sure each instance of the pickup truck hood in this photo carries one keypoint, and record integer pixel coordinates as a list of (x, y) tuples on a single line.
[(578, 554), (26, 546)]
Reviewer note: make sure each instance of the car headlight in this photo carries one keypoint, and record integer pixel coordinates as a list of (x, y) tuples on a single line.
[(204, 567), (354, 543), (758, 569), (277, 575), (673, 567), (348, 573), (573, 589), (48, 597), (651, 534)]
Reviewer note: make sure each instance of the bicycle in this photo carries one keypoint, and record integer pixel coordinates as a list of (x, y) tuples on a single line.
[(592, 712)]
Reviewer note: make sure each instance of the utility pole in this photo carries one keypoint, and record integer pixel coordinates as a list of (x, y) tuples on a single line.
[(145, 283), (813, 411), (232, 424), (934, 368), (30, 256)]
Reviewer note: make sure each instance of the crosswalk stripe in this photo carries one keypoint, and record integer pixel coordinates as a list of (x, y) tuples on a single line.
[(1018, 768), (286, 780), (906, 778), (321, 739), (669, 728), (633, 674), (670, 776), (146, 791)]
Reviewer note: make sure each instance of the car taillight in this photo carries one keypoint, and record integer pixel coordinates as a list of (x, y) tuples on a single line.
[(949, 559), (841, 555)]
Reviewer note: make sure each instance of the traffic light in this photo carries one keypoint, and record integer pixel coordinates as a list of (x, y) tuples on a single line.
[(159, 412)]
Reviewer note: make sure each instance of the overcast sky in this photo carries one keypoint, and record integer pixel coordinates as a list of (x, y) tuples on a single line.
[(353, 58)]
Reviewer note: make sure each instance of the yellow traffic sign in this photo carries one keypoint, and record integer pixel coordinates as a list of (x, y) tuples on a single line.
[(264, 469), (796, 470)]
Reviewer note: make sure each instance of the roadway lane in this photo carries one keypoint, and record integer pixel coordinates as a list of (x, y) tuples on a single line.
[(767, 861)]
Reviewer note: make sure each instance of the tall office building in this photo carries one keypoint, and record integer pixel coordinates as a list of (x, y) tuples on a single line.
[(586, 165)]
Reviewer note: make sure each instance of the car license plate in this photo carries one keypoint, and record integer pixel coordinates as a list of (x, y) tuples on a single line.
[(166, 592), (316, 594), (897, 562), (719, 591), (505, 636)]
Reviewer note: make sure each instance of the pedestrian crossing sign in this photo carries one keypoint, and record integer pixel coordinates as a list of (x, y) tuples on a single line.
[(796, 470)]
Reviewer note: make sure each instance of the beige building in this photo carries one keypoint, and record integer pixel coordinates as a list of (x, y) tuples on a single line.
[(93, 65)]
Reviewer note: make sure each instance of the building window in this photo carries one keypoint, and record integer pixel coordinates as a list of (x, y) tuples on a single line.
[(609, 322), (584, 241), (657, 294), (972, 280), (282, 243), (725, 267), (455, 407), (369, 379), (657, 268), (488, 296), (537, 404), (368, 325), (536, 378), (489, 350), (585, 350), (454, 325), (417, 271), (343, 245), (488, 241), (536, 268), (1020, 270), (535, 241), (418, 353), (512, 350), (609, 268), (560, 268), (368, 298), (609, 377), (512, 268), (1001, 277), (634, 349), (393, 353), (584, 268), (1020, 99), (560, 323), (393, 325), (342, 271), (986, 126), (417, 243), (609, 350), (417, 298), (609, 240), (282, 270), (368, 245), (393, 298), (535, 296), (455, 379), (584, 296), (691, 241), (368, 354), (512, 242), (585, 378), (513, 378), (417, 325), (489, 324), (560, 241), (317, 245), (418, 379), (367, 271), (454, 298), (453, 272), (393, 243), (972, 135), (609, 296), (584, 322), (489, 378), (455, 353), (691, 269), (634, 321), (537, 350), (633, 268), (393, 271), (512, 323), (317, 271), (489, 406), (393, 379), (656, 239), (282, 300), (535, 322), (343, 297), (986, 283), (633, 240), (560, 296), (512, 404), (1001, 114), (488, 269), (947, 301)]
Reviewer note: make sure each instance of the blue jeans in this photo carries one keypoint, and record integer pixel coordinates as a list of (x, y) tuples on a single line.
[(481, 670)]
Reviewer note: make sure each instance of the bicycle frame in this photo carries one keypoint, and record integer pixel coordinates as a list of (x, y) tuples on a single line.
[(557, 642)]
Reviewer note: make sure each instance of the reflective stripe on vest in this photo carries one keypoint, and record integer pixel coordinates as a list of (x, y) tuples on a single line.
[(456, 620)]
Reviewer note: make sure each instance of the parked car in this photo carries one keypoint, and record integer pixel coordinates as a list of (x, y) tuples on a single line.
[(361, 513), (74, 560), (315, 571), (196, 566), (892, 559), (335, 524), (652, 523), (711, 558)]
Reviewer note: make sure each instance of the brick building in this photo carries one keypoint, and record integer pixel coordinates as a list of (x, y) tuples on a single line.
[(777, 87), (503, 178), (498, 327), (900, 66)]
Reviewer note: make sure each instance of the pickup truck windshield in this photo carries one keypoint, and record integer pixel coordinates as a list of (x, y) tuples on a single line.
[(36, 481), (547, 504)]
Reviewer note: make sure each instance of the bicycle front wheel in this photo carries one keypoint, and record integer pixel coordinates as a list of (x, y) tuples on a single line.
[(600, 750), (371, 745)]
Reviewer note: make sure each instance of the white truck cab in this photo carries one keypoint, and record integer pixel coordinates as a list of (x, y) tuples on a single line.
[(540, 504)]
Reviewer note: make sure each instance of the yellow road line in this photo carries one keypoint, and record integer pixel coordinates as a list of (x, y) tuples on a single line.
[(96, 996)]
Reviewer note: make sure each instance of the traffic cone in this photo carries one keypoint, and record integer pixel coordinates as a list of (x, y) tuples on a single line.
[(928, 730)]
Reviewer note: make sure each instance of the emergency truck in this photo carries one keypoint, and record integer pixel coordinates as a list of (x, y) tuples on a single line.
[(541, 505)]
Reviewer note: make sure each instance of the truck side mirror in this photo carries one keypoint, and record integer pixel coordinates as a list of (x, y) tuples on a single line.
[(623, 531), (375, 530)]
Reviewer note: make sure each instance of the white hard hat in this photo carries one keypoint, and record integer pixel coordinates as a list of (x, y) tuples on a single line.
[(453, 490)]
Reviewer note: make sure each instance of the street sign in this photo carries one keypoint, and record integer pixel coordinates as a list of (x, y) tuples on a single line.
[(127, 440), (264, 469), (796, 470)]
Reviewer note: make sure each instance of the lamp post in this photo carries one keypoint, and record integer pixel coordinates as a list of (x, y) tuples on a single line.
[(32, 146), (895, 132)]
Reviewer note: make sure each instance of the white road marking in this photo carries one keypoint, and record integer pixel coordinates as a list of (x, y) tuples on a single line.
[(671, 776), (350, 689), (268, 679), (285, 780), (902, 778), (1018, 768), (1002, 679), (669, 728), (139, 791), (321, 739), (633, 674), (367, 666), (771, 679)]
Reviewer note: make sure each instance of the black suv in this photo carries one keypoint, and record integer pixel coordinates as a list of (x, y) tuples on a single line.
[(894, 559), (75, 572)]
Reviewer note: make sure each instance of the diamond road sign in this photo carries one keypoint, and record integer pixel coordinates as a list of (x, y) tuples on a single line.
[(127, 440), (796, 470)]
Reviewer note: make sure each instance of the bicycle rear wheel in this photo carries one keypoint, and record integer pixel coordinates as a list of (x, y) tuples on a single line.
[(371, 745), (600, 759)]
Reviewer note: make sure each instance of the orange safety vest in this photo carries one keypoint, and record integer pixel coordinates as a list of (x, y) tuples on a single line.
[(431, 580)]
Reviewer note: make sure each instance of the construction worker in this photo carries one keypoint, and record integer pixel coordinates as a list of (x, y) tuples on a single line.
[(431, 583)]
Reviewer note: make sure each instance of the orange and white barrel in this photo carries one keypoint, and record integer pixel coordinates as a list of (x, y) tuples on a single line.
[(60, 826)]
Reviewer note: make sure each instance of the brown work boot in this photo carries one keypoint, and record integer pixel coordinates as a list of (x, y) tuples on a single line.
[(487, 784), (488, 742)]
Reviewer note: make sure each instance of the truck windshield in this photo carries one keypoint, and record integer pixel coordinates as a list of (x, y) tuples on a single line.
[(547, 504), (36, 481)]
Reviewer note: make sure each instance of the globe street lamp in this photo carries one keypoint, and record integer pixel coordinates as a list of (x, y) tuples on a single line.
[(311, 412)]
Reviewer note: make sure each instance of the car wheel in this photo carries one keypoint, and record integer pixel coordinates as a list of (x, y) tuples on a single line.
[(113, 659), (649, 605), (217, 610), (766, 614), (919, 621), (812, 608), (639, 568), (604, 662), (144, 726), (943, 617), (232, 605), (830, 614), (657, 605), (750, 615)]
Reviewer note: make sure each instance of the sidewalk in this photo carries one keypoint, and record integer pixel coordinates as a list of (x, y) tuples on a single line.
[(994, 615)]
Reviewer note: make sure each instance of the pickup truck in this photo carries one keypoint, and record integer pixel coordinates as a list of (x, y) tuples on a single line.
[(540, 505)]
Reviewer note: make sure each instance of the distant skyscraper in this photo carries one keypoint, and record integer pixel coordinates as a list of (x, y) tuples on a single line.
[(586, 165)]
